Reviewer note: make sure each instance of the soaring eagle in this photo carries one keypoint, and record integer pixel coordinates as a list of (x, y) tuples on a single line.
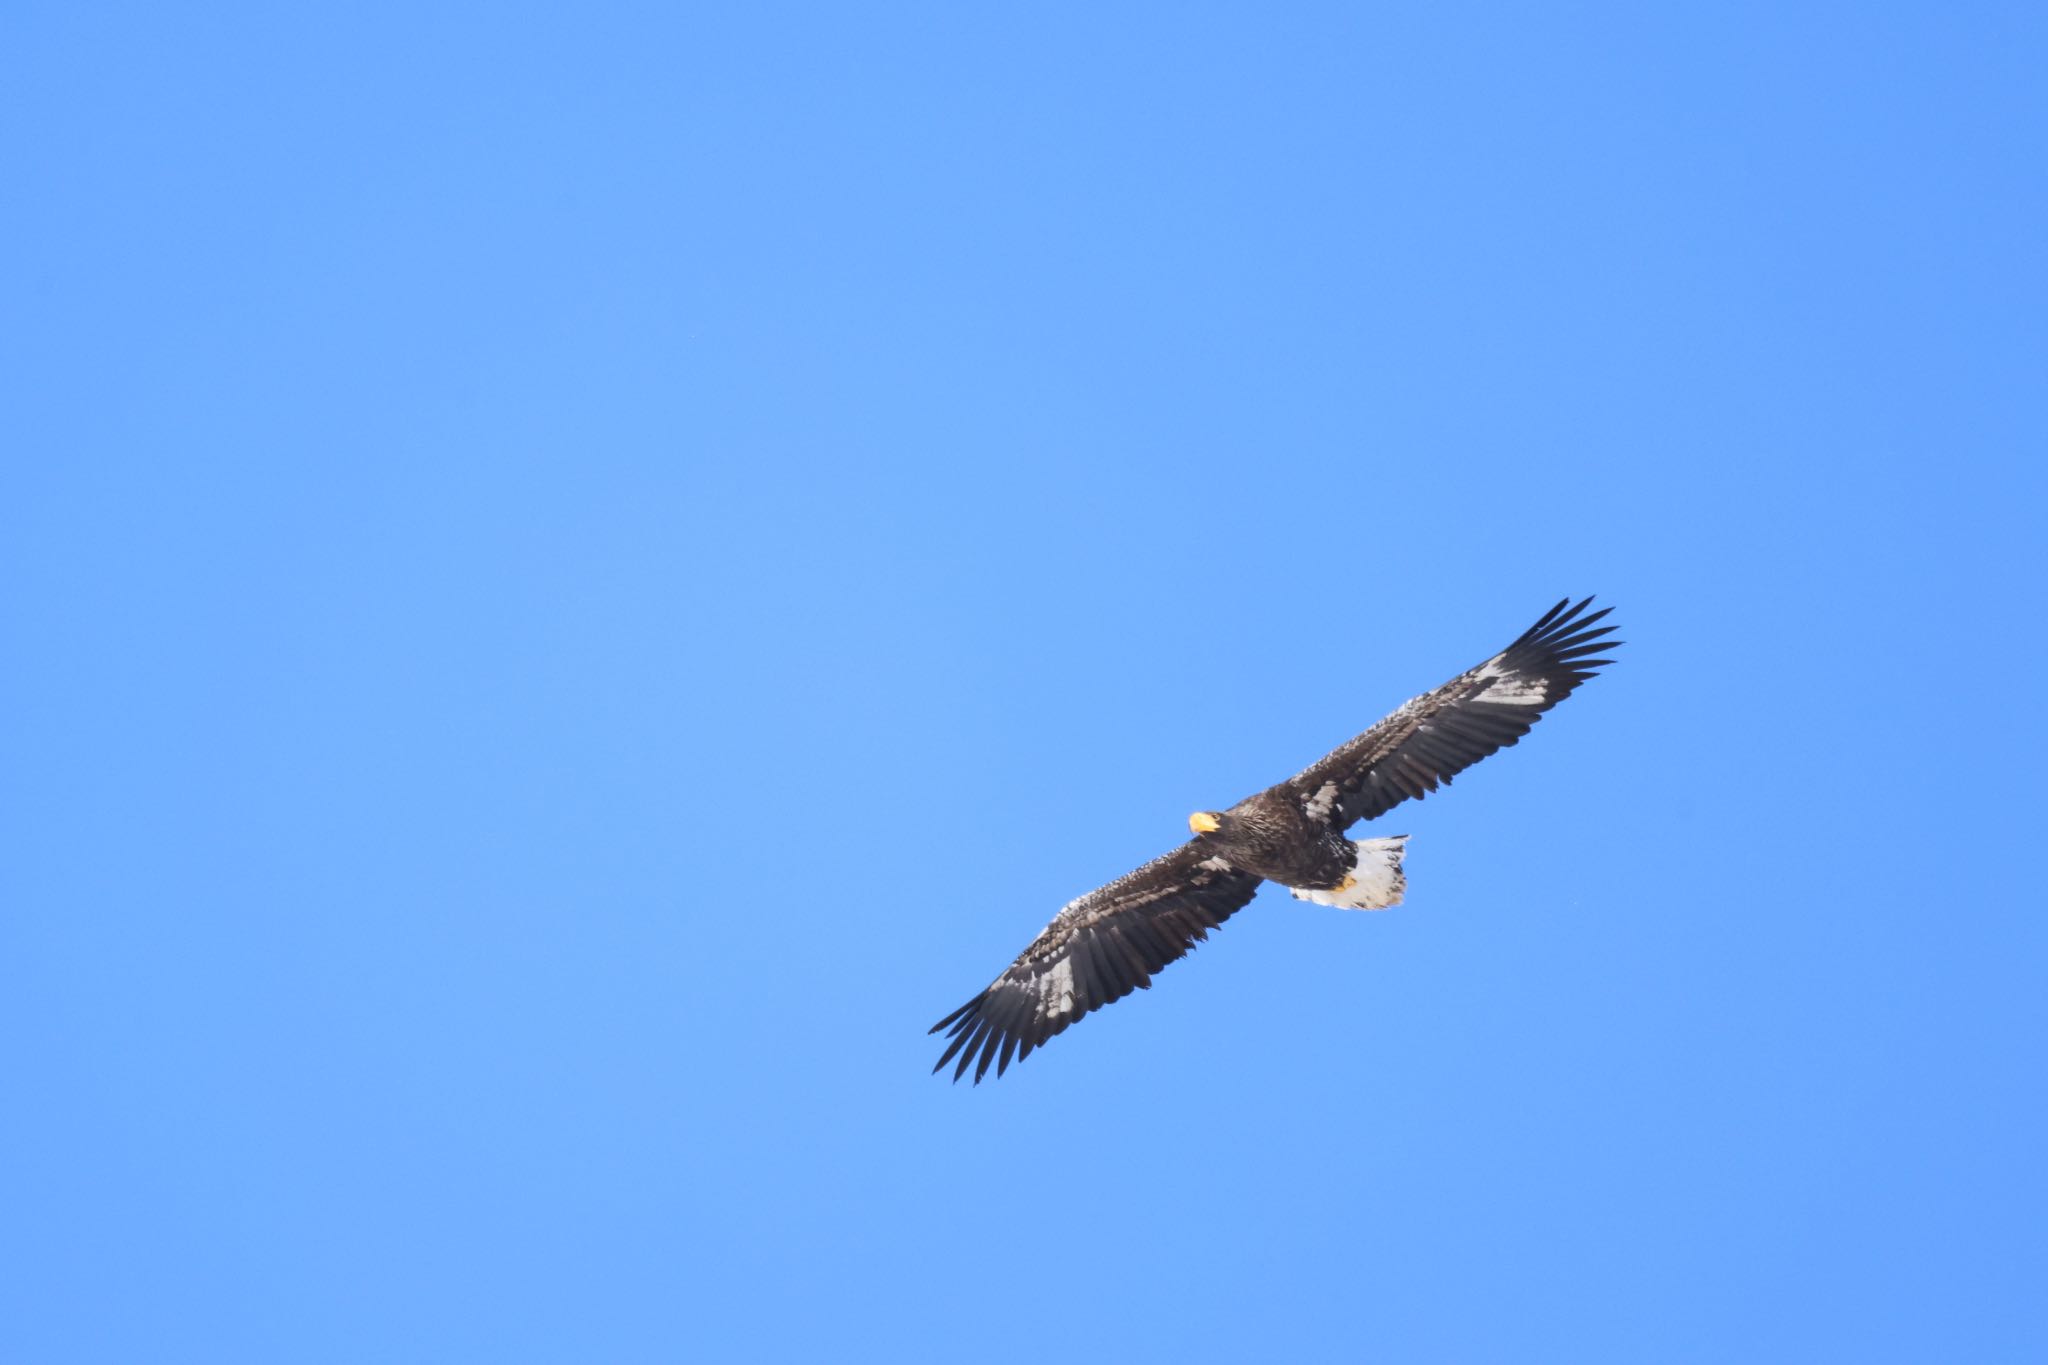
[(1109, 942)]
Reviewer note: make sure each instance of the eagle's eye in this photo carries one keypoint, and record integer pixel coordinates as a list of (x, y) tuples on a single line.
[(1204, 822)]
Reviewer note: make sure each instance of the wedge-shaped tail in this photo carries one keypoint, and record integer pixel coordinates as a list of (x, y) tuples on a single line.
[(1376, 881)]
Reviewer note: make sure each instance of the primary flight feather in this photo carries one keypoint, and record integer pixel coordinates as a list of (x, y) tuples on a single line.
[(1109, 942)]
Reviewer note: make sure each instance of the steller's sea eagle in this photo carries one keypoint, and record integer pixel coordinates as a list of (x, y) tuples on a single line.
[(1109, 942)]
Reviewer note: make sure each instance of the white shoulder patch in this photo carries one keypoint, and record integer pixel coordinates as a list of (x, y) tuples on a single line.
[(1056, 990), (1511, 688), (1321, 802)]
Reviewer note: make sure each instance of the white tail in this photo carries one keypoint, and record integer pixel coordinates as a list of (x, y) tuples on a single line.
[(1376, 882)]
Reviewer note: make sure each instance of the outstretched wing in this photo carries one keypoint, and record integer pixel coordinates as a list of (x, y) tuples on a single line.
[(1099, 949), (1440, 734)]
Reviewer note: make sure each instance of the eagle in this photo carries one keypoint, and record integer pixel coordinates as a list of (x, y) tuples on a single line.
[(1108, 943)]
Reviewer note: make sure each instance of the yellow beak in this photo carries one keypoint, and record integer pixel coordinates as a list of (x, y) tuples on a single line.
[(1203, 822)]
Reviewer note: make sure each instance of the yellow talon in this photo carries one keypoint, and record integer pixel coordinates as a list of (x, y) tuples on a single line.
[(1203, 822)]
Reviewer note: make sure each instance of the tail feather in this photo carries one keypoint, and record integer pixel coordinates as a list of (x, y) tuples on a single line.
[(1376, 882)]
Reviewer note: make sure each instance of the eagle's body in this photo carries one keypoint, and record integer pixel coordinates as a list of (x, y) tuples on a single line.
[(1273, 835), (1109, 942)]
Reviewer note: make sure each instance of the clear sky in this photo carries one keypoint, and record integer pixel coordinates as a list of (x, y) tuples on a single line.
[(574, 577)]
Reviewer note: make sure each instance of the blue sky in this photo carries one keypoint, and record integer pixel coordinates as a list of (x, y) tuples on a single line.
[(575, 578)]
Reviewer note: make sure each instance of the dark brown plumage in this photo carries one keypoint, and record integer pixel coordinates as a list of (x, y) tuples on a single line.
[(1109, 942)]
